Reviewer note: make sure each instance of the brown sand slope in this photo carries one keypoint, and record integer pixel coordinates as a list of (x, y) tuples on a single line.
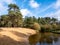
[(15, 36)]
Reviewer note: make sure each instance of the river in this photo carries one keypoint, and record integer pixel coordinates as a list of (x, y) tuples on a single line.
[(44, 39)]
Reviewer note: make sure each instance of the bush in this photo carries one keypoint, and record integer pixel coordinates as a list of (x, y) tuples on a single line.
[(54, 26), (43, 28), (36, 26), (46, 27), (58, 27)]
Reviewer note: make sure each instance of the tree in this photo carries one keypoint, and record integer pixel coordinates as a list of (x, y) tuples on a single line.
[(4, 20), (15, 15), (47, 19), (35, 19), (13, 18), (13, 7), (28, 22), (53, 20), (41, 21)]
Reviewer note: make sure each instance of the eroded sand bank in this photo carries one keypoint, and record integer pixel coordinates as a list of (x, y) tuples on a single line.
[(15, 36)]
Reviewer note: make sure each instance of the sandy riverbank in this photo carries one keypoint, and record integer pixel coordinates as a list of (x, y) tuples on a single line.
[(15, 36)]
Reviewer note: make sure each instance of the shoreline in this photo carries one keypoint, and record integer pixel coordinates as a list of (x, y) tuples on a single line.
[(16, 35)]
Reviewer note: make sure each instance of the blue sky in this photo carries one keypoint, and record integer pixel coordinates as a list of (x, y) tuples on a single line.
[(37, 8)]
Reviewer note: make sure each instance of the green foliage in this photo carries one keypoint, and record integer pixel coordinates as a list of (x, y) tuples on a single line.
[(13, 18), (15, 15), (13, 7), (28, 22), (4, 19), (16, 19), (36, 26), (54, 19), (8, 24), (46, 27), (34, 19), (54, 26)]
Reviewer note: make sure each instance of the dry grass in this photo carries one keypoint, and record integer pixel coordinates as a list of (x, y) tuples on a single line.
[(15, 36)]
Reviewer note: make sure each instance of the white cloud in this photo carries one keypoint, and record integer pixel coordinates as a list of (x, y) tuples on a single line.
[(54, 14), (57, 4), (8, 1), (33, 4), (45, 9), (3, 7), (26, 12)]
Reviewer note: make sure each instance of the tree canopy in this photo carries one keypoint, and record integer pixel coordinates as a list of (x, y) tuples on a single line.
[(14, 18)]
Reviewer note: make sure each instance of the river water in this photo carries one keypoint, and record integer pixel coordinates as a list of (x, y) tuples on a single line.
[(45, 39)]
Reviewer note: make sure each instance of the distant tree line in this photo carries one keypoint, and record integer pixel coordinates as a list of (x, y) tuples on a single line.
[(43, 24), (14, 18)]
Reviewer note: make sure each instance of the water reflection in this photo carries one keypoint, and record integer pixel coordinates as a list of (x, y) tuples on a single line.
[(44, 39)]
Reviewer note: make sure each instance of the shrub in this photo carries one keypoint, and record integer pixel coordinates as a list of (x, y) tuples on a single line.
[(36, 26), (46, 27), (54, 26), (43, 28), (58, 27)]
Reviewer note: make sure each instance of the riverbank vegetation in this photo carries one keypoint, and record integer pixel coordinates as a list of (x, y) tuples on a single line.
[(14, 18)]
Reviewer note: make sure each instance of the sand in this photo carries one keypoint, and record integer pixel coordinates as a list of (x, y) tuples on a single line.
[(15, 36)]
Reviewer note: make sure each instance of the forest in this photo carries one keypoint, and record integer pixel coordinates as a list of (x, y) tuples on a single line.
[(14, 18)]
